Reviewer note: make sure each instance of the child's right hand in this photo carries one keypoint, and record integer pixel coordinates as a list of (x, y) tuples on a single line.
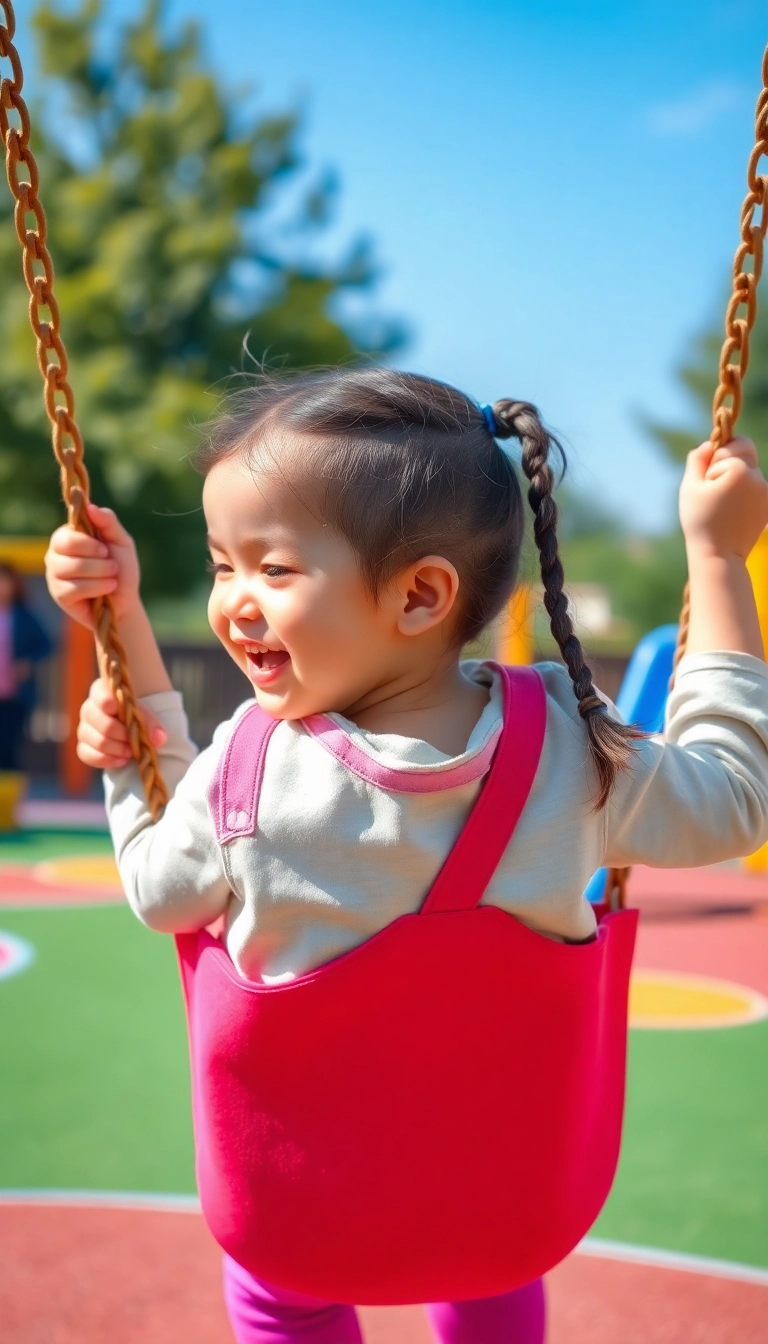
[(723, 500), (79, 568), (102, 740)]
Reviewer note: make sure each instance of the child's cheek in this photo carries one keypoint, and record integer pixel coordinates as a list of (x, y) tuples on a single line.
[(216, 620), (213, 613)]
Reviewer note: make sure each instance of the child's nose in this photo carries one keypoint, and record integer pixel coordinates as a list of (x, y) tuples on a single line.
[(240, 603)]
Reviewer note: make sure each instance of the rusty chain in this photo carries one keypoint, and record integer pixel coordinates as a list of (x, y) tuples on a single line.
[(738, 325), (59, 398), (728, 396)]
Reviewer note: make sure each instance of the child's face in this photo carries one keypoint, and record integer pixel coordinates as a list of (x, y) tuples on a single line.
[(288, 602)]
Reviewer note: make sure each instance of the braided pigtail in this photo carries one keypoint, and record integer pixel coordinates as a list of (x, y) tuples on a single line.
[(610, 742)]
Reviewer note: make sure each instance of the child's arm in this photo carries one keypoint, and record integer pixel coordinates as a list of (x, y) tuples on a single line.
[(172, 872), (701, 795)]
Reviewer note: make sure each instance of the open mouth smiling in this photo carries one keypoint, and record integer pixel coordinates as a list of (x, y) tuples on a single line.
[(265, 665)]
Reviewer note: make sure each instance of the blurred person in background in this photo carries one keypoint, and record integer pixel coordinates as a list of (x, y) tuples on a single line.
[(23, 642)]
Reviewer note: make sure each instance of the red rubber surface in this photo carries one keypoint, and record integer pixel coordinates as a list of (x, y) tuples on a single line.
[(105, 1276), (703, 921), (666, 891)]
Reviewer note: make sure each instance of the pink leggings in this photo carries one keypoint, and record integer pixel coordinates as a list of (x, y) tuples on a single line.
[(263, 1315)]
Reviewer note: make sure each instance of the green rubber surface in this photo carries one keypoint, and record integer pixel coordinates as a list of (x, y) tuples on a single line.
[(36, 846), (693, 1173), (93, 1056)]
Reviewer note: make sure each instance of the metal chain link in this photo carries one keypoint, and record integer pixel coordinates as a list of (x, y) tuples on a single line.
[(59, 398), (738, 325), (728, 396)]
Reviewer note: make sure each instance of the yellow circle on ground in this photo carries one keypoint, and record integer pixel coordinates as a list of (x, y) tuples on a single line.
[(673, 1001), (83, 870)]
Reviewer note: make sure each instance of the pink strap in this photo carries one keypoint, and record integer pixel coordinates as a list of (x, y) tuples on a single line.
[(467, 871), (340, 745), (234, 793)]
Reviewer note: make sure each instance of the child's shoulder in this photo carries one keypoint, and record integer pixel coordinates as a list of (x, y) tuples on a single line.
[(559, 689), (566, 730), (561, 701)]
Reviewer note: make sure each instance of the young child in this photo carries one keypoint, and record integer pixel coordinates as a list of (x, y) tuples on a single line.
[(363, 526)]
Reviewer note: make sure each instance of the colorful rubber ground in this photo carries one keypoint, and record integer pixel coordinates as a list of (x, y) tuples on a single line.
[(94, 1084)]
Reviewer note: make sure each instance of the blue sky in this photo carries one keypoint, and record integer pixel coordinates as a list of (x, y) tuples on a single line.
[(553, 189)]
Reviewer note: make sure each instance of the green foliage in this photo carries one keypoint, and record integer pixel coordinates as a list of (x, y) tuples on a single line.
[(644, 576), (699, 375), (179, 224)]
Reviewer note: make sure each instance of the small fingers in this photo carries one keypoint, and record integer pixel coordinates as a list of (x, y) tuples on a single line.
[(100, 712), (107, 726), (743, 446), (100, 733), (68, 541), (112, 754), (67, 591), (101, 694), (105, 753), (698, 461), (733, 469), (98, 760), (157, 734), (743, 449), (109, 525), (82, 567)]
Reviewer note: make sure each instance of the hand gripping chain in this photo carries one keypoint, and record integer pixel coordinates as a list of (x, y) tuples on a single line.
[(734, 356), (727, 400), (59, 398)]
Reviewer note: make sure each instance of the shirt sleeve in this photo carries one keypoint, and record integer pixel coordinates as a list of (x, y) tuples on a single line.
[(171, 870), (700, 794)]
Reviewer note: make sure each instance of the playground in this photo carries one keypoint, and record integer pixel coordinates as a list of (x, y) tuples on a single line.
[(471, 1067), (99, 1233)]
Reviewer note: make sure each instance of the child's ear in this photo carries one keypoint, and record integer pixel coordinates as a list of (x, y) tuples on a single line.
[(427, 591)]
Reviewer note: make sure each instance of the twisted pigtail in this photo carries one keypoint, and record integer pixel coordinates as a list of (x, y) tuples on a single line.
[(611, 743)]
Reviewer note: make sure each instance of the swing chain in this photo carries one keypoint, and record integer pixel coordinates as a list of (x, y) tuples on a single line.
[(615, 895), (59, 398), (734, 355)]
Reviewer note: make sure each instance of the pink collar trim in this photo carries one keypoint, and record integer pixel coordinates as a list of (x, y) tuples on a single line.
[(416, 780)]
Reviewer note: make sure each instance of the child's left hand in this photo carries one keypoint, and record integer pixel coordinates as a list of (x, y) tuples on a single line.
[(102, 740)]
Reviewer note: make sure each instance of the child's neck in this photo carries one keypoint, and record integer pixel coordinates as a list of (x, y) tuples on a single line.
[(440, 706)]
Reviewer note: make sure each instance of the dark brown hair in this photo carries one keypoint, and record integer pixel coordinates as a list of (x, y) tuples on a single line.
[(407, 466)]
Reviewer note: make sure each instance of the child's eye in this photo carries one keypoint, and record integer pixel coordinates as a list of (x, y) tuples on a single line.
[(215, 567), (275, 571)]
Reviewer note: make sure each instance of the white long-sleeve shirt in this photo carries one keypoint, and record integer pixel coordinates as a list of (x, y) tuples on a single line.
[(335, 857)]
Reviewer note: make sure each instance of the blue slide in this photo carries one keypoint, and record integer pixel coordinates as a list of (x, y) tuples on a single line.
[(642, 700)]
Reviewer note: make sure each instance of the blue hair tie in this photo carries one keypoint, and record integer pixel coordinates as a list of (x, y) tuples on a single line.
[(490, 420)]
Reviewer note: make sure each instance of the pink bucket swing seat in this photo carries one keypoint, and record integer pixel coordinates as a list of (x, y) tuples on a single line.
[(436, 1115)]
